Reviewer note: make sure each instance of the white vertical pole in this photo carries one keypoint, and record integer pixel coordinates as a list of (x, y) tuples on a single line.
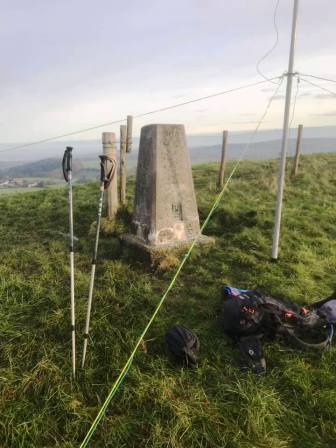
[(72, 278), (281, 178)]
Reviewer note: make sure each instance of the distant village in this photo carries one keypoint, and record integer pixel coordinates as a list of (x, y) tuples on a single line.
[(21, 183)]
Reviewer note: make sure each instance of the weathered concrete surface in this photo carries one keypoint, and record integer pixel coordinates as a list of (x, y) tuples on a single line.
[(151, 251), (165, 210)]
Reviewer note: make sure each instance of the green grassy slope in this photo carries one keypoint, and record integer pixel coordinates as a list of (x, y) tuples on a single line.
[(161, 405)]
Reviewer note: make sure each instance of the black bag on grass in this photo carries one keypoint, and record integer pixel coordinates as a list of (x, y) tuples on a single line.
[(183, 344), (248, 313), (247, 316), (242, 314)]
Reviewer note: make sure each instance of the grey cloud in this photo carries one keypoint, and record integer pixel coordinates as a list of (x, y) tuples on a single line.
[(320, 96), (323, 96), (326, 114), (73, 62), (247, 122)]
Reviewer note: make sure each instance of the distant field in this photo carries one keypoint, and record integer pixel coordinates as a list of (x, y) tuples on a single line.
[(54, 184), (159, 404), (8, 191), (87, 168)]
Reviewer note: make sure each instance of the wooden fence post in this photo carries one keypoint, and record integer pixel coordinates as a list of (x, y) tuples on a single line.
[(129, 133), (108, 139), (297, 151), (123, 164), (223, 160)]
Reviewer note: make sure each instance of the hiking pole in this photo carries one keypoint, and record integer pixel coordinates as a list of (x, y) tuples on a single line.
[(67, 173), (107, 170)]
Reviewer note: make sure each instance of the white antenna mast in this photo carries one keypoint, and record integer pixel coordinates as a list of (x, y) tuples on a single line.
[(284, 144)]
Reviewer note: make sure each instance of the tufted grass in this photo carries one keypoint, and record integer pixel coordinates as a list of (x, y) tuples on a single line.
[(160, 404)]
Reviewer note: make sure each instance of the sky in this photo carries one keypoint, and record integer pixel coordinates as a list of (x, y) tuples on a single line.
[(71, 64)]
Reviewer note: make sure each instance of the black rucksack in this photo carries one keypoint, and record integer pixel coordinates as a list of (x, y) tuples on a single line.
[(241, 314), (243, 320), (183, 344), (248, 315)]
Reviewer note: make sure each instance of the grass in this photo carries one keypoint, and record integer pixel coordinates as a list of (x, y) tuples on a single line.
[(160, 404)]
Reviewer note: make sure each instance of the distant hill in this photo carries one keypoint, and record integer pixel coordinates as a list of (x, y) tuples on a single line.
[(87, 168), (262, 150), (41, 168), (91, 148)]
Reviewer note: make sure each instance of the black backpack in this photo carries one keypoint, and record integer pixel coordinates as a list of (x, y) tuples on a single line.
[(246, 313), (247, 316), (183, 344), (241, 314), (243, 319)]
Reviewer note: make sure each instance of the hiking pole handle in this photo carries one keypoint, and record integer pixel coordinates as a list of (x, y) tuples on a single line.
[(67, 163), (102, 169), (106, 172)]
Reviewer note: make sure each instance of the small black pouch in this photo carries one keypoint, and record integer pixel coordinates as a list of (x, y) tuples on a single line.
[(183, 344), (252, 354)]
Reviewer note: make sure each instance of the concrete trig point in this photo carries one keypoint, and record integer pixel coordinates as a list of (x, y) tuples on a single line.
[(165, 210)]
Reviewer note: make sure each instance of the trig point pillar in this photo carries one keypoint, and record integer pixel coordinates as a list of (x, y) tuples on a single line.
[(165, 210)]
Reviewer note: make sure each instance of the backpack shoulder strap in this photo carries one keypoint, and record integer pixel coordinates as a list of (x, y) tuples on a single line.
[(252, 357), (320, 346)]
